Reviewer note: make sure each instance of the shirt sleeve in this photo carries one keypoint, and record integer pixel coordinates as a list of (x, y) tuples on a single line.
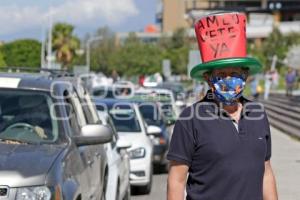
[(268, 139), (182, 144)]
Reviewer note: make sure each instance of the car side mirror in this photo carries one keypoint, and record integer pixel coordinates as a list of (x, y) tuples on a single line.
[(121, 144), (153, 130), (94, 134)]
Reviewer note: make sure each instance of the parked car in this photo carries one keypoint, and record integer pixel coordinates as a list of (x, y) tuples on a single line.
[(165, 96), (179, 93), (154, 116), (119, 90), (51, 147), (118, 185), (131, 126)]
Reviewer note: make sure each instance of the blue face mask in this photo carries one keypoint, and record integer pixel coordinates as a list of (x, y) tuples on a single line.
[(228, 90)]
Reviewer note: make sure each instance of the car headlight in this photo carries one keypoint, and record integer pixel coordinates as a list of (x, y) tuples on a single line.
[(137, 153), (34, 193)]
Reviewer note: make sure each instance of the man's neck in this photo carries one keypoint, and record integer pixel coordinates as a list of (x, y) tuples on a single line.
[(231, 108), (234, 111)]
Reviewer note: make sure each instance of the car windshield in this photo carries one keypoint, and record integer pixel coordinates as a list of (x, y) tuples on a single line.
[(154, 96), (151, 115), (25, 117), (125, 120), (112, 93)]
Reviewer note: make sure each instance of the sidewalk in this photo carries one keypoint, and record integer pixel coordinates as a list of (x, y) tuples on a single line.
[(286, 165)]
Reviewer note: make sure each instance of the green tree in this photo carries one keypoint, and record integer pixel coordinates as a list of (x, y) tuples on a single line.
[(22, 53), (103, 50), (65, 43), (136, 57), (176, 49), (276, 44), (2, 61)]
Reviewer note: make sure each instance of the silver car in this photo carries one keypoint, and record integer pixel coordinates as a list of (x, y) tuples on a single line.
[(50, 144)]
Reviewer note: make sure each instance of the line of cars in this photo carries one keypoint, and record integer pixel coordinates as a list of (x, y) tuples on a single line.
[(58, 143)]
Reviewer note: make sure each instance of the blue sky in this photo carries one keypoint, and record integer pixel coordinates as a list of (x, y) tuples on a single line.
[(30, 18)]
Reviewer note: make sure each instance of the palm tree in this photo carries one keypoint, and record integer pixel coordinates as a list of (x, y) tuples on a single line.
[(65, 43)]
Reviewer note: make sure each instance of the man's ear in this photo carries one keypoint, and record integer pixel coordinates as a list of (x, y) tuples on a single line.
[(206, 76), (246, 71)]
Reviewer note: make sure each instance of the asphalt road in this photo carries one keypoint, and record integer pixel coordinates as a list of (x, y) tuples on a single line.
[(159, 189)]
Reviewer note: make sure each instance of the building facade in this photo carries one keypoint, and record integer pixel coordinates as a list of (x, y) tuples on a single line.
[(262, 14)]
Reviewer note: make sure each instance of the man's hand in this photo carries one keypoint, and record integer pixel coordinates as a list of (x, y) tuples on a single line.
[(177, 180), (269, 184)]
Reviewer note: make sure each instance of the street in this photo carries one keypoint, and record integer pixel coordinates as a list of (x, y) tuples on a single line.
[(286, 166), (159, 189)]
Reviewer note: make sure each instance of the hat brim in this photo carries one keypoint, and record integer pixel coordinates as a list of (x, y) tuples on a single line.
[(252, 64)]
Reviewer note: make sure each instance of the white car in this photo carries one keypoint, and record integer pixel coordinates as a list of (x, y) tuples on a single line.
[(131, 127), (118, 185), (164, 94)]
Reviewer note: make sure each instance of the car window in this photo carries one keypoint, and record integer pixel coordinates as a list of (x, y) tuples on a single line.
[(82, 119), (75, 114), (125, 120), (151, 114), (91, 108), (26, 116)]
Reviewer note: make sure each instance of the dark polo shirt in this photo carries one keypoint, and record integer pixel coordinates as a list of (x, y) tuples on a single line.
[(225, 162)]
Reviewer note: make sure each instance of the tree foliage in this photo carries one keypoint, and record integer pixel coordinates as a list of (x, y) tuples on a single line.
[(276, 44), (176, 49), (103, 51), (2, 61), (65, 43), (134, 57), (21, 53)]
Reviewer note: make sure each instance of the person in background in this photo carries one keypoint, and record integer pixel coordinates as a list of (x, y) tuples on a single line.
[(200, 90), (290, 79), (115, 76), (141, 80), (268, 83), (298, 79), (253, 87), (275, 79)]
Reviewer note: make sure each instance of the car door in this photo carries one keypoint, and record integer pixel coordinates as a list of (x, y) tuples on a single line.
[(76, 121), (113, 162), (96, 151), (87, 152), (116, 158)]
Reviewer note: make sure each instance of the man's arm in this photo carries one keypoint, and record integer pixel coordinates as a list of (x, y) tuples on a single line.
[(269, 183), (177, 180)]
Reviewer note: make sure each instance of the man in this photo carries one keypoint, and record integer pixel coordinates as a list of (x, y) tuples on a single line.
[(290, 79), (222, 143)]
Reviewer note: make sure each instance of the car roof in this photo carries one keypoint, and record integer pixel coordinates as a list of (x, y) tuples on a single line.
[(25, 81), (154, 89), (112, 101), (36, 81)]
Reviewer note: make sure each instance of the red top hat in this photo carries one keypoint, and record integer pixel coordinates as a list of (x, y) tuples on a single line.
[(222, 43)]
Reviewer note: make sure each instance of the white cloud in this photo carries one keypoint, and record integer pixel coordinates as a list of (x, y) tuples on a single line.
[(14, 18)]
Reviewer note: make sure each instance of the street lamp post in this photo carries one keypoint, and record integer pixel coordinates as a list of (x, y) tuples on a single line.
[(88, 50)]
